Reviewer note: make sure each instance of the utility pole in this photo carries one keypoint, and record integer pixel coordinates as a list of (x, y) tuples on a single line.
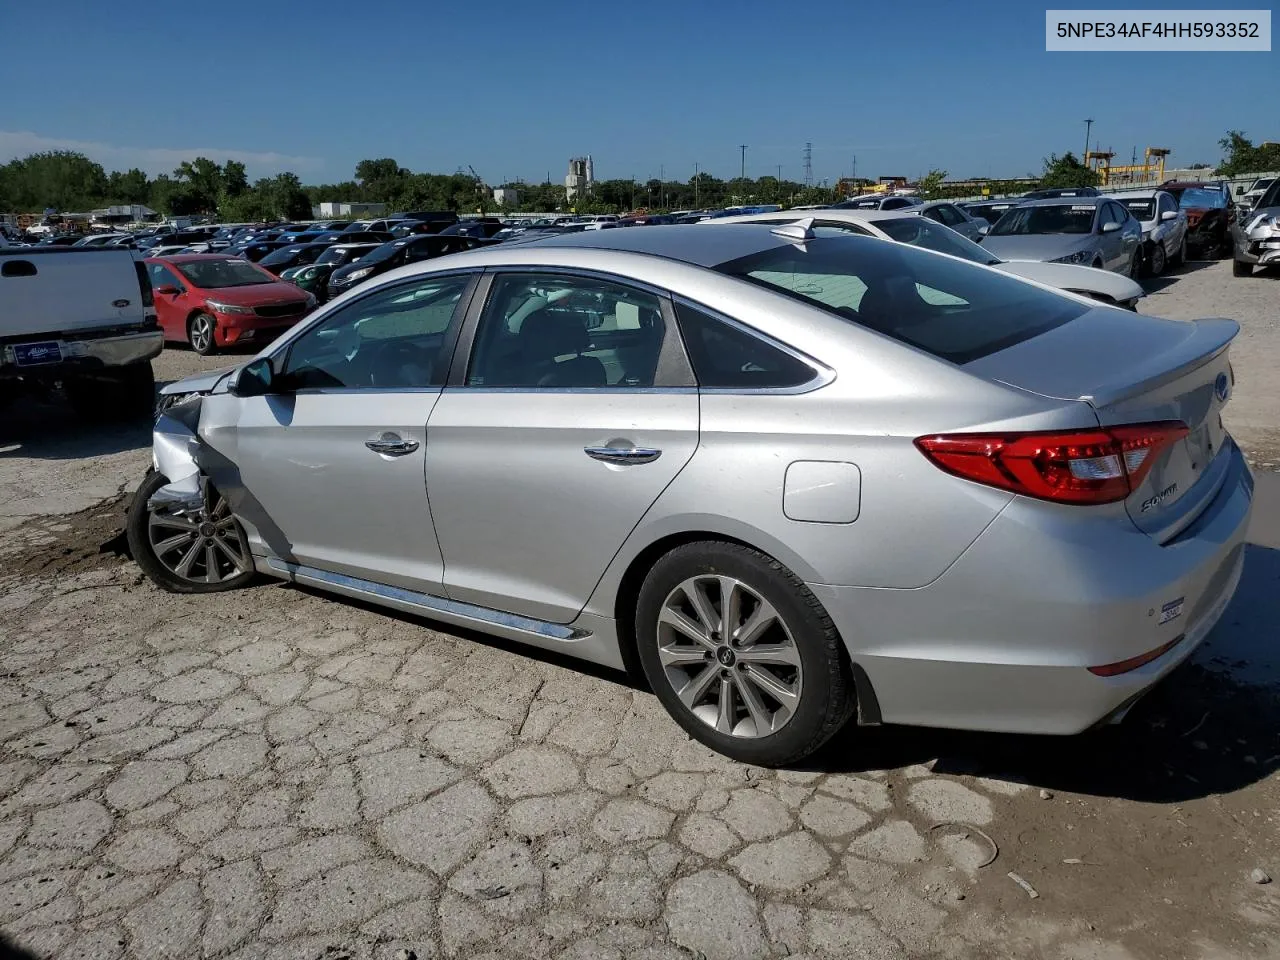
[(662, 189), (854, 174), (779, 173), (743, 148), (1088, 126), (808, 164), (695, 184)]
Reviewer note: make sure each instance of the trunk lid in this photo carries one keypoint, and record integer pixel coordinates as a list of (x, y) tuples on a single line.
[(1136, 369)]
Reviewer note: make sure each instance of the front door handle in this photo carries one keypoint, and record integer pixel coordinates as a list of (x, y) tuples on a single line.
[(391, 445), (623, 455)]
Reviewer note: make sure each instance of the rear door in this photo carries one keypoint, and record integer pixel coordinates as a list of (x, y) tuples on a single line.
[(565, 418)]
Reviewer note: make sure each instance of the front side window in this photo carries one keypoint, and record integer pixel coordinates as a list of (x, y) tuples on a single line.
[(396, 338), (725, 356), (543, 330), (953, 310)]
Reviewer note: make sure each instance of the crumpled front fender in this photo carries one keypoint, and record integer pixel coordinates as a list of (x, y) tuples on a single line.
[(175, 448)]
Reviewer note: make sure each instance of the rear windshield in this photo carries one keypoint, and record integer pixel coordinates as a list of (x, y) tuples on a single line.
[(920, 232), (956, 311), (1144, 209), (1195, 198), (1052, 218)]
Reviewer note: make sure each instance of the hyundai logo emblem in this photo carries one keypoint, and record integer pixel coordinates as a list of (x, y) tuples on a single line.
[(1222, 387)]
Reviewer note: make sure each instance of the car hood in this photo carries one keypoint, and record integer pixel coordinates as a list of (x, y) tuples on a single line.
[(197, 383), (1037, 246), (1068, 276), (256, 295)]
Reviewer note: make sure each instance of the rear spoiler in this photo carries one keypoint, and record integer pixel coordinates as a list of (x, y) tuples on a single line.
[(1212, 336)]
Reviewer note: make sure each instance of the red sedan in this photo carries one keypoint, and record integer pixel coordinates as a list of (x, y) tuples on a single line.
[(213, 301)]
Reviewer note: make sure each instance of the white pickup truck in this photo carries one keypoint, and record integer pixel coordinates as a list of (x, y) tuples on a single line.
[(82, 318)]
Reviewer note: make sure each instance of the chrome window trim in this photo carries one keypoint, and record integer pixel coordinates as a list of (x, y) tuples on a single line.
[(823, 374)]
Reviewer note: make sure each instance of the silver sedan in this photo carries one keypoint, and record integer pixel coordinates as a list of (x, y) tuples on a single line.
[(789, 475)]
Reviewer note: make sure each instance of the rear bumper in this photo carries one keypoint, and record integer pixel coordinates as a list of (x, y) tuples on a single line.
[(81, 354), (1003, 640)]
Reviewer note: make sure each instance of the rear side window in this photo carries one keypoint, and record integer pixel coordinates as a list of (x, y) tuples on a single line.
[(728, 357), (954, 310)]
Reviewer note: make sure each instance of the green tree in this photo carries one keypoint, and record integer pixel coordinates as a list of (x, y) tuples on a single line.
[(1243, 157), (929, 186), (132, 186), (64, 180), (1067, 171), (203, 179)]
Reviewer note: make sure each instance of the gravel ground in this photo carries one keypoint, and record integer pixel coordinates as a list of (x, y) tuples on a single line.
[(277, 774)]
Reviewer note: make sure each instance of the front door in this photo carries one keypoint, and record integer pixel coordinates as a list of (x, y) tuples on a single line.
[(171, 307), (565, 426), (332, 466)]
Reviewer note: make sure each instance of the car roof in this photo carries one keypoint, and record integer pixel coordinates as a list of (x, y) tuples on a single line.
[(827, 213), (701, 245), (193, 257), (1135, 194), (1065, 201)]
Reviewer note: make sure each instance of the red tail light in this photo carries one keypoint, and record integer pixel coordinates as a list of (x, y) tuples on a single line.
[(1075, 466)]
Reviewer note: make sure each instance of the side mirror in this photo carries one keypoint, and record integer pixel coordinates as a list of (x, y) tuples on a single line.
[(1110, 227), (255, 379), (984, 229), (1169, 215), (168, 290)]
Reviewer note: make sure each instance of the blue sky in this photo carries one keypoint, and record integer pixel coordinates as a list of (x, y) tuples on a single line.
[(515, 89)]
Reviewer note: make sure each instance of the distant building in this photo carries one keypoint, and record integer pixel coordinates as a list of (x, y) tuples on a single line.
[(124, 213), (580, 178), (506, 196), (339, 208)]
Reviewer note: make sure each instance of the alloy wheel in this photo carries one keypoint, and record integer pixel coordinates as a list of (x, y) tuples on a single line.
[(201, 333), (201, 547), (729, 656), (1157, 260)]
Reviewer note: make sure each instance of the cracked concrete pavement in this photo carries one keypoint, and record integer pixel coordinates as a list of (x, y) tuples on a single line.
[(274, 774)]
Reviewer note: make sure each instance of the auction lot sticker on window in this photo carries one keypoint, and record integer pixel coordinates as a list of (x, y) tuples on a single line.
[(1158, 30)]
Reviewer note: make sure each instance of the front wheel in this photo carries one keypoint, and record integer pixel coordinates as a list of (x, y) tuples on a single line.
[(1180, 258), (203, 551), (200, 334), (742, 654), (1157, 260)]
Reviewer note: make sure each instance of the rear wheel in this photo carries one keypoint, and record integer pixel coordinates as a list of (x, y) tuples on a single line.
[(201, 551), (1241, 269), (200, 334), (742, 654)]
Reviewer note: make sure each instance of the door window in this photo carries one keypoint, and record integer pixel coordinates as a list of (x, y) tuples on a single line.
[(162, 276), (949, 215), (543, 330), (394, 339), (726, 356)]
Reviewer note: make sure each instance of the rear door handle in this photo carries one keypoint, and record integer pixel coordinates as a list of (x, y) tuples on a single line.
[(623, 455), (391, 445)]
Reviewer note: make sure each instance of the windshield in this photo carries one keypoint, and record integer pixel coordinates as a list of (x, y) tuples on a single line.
[(214, 274), (1195, 198), (1143, 208), (1271, 198), (384, 252), (1053, 218), (341, 255), (920, 232), (952, 310)]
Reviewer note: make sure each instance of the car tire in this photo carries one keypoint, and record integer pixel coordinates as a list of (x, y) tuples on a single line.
[(792, 674), (1157, 260), (121, 393), (1135, 265), (153, 542), (1241, 269), (202, 334), (1179, 259)]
